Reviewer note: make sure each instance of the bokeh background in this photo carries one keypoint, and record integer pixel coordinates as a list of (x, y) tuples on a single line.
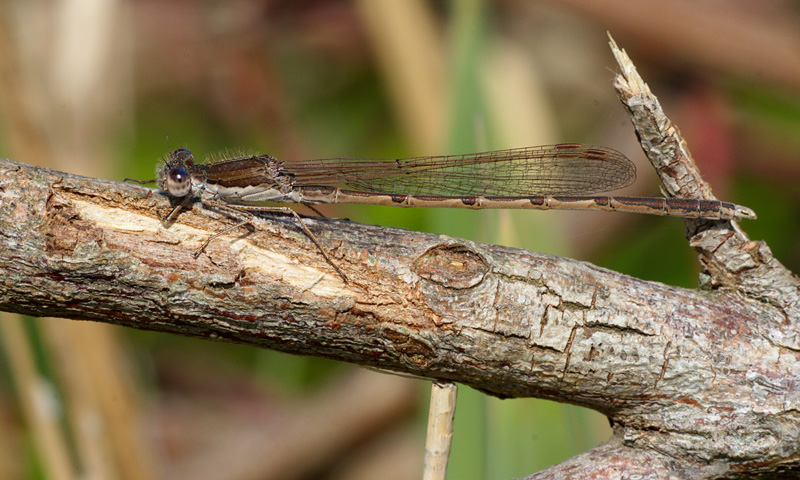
[(105, 88)]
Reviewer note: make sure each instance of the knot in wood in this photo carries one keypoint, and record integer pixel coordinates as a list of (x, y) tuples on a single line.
[(452, 265)]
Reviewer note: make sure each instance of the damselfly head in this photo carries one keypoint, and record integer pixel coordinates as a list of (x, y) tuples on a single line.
[(181, 157), (173, 176)]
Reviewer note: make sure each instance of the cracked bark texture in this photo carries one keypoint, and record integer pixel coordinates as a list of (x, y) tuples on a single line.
[(698, 383)]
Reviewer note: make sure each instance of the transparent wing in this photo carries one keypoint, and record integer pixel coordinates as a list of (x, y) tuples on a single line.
[(564, 169)]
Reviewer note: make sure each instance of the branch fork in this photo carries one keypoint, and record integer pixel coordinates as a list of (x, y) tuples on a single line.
[(698, 384)]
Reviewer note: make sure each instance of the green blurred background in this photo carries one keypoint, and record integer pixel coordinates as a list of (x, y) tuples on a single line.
[(105, 88)]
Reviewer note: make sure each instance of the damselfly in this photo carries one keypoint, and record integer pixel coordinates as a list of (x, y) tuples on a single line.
[(564, 176)]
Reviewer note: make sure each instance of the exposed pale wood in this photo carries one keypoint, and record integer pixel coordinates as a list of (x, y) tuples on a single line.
[(686, 373), (698, 384)]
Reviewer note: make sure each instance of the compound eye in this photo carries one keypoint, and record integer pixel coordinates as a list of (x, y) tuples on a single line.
[(179, 182), (182, 155)]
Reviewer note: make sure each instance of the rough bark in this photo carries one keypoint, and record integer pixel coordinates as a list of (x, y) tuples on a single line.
[(698, 384)]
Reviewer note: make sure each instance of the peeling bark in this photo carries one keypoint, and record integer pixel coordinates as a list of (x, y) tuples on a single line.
[(698, 384)]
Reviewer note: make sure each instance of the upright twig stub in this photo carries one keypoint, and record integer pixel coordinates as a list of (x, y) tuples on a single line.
[(698, 384), (661, 140), (725, 251)]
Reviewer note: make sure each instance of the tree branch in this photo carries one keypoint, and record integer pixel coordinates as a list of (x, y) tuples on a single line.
[(697, 383)]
